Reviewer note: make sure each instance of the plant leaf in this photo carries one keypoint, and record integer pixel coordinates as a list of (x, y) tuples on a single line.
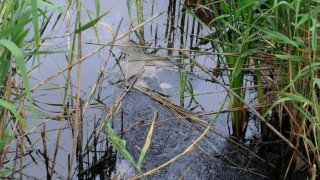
[(50, 6), (304, 113), (309, 15), (295, 97), (291, 57), (34, 12), (91, 23), (119, 144), (317, 81), (22, 67), (277, 35), (309, 141), (5, 137), (148, 141), (12, 109), (275, 104), (249, 52)]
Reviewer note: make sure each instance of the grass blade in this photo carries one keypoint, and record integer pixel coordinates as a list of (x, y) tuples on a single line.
[(5, 137), (12, 109), (22, 67), (119, 144), (34, 12), (91, 23), (148, 140), (292, 58), (277, 35), (294, 97), (49, 5)]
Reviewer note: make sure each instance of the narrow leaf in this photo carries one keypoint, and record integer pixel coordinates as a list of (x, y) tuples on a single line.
[(275, 104), (17, 53), (148, 140), (249, 52), (91, 23), (295, 97), (309, 15), (291, 57), (5, 138), (317, 81), (34, 12), (119, 144), (50, 5), (277, 35), (12, 110)]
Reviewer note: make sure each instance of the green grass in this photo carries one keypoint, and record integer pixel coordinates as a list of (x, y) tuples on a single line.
[(17, 18), (287, 32), (139, 18), (233, 27), (120, 145)]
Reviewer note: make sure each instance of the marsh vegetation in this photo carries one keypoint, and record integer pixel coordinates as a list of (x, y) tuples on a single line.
[(177, 89)]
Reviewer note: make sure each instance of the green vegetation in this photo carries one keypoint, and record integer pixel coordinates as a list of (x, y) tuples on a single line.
[(233, 24), (120, 145), (285, 33), (139, 18), (22, 25), (274, 44), (16, 18)]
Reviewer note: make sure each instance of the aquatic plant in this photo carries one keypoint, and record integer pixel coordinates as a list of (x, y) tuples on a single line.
[(285, 33), (291, 32), (183, 78), (17, 18), (120, 145), (139, 13), (232, 23)]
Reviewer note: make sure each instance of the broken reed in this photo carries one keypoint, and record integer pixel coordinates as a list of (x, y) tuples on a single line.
[(287, 30)]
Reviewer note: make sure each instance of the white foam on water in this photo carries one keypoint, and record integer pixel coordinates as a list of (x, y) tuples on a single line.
[(165, 85)]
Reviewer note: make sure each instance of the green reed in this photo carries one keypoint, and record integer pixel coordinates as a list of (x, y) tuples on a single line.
[(286, 33), (232, 24), (16, 39), (293, 31), (139, 17)]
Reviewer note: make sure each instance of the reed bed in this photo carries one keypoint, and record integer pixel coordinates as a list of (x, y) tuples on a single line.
[(286, 31), (274, 43)]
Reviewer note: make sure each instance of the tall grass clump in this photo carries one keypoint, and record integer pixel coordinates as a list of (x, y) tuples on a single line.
[(17, 19), (292, 32), (139, 18), (232, 25), (285, 32)]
